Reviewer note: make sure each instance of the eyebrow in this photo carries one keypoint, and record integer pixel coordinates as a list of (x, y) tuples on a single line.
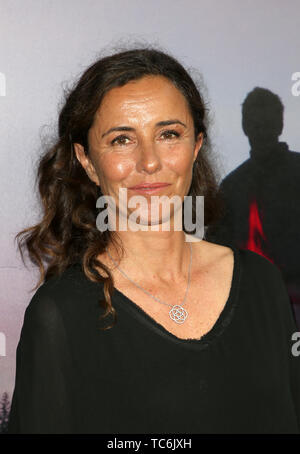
[(128, 128)]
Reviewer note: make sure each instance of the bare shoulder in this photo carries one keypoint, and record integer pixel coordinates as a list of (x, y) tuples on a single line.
[(213, 264), (218, 252), (213, 255)]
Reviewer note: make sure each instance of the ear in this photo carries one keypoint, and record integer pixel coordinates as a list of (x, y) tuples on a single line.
[(198, 144), (86, 163)]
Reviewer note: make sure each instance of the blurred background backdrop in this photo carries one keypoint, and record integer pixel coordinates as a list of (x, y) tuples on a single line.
[(235, 45)]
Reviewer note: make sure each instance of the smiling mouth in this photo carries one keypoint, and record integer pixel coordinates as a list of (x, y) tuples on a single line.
[(150, 188)]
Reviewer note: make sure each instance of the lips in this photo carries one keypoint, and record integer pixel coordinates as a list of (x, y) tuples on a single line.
[(149, 186)]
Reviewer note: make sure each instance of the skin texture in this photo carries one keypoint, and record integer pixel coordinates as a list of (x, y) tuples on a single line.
[(148, 154), (157, 260)]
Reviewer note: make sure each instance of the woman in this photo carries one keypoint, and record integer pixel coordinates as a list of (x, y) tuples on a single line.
[(200, 334)]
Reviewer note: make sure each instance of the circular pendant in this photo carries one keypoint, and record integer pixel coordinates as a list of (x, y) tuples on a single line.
[(178, 314)]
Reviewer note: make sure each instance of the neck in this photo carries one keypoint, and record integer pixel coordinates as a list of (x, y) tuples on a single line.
[(147, 254)]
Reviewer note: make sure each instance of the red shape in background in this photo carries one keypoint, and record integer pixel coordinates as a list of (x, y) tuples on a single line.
[(255, 232)]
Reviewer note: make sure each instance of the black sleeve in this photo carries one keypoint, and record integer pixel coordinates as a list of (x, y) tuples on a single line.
[(41, 400), (292, 336)]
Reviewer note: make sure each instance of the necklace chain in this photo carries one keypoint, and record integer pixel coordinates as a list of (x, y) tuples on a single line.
[(177, 313)]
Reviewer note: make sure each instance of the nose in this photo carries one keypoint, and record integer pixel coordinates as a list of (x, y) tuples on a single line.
[(148, 159)]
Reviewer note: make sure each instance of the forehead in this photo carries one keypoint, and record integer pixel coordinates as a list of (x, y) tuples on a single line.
[(151, 95)]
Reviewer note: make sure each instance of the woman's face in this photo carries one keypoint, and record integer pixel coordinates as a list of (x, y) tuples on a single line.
[(130, 145)]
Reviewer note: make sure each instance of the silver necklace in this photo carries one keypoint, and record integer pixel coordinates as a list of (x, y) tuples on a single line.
[(177, 313)]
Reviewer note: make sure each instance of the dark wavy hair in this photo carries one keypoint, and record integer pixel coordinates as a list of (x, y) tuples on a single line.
[(67, 232)]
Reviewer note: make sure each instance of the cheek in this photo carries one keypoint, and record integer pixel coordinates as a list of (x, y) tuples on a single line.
[(113, 168), (179, 161)]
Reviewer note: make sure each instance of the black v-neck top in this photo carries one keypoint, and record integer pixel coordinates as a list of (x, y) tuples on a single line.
[(243, 376), (197, 344)]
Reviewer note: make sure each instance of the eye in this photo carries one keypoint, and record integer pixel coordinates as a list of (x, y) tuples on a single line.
[(119, 138), (169, 132)]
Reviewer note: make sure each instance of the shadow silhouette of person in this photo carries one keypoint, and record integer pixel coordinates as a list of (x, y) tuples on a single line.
[(262, 195)]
